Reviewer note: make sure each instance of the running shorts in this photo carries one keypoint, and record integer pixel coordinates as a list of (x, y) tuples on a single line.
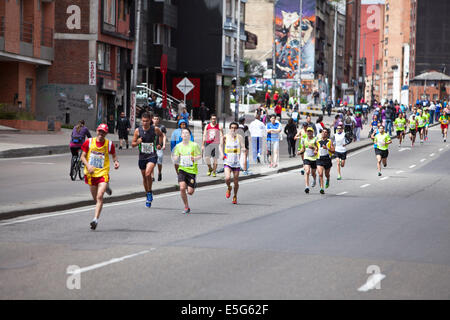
[(341, 155), (412, 131), (188, 178), (312, 164), (444, 126), (324, 162), (212, 151), (143, 163), (95, 181), (383, 153), (234, 169)]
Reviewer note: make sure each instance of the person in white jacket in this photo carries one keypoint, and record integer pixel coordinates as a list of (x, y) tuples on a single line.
[(258, 133)]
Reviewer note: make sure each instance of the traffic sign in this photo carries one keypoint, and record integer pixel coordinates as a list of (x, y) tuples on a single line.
[(185, 86)]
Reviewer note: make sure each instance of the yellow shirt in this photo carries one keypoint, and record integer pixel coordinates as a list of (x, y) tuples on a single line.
[(98, 157)]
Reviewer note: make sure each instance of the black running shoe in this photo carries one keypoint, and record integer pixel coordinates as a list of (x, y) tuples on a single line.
[(159, 177), (94, 225), (108, 190), (306, 190)]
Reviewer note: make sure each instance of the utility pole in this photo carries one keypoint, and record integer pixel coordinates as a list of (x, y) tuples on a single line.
[(238, 61), (373, 73), (135, 67), (299, 67), (333, 85), (274, 47)]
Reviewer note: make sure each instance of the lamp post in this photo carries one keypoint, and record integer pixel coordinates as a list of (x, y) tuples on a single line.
[(299, 67)]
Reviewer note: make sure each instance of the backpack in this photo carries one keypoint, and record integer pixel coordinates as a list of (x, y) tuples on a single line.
[(348, 137), (348, 121)]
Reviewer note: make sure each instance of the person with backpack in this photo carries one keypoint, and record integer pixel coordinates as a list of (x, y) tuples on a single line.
[(349, 123), (358, 126)]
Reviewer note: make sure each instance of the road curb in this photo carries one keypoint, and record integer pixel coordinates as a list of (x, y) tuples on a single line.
[(139, 194)]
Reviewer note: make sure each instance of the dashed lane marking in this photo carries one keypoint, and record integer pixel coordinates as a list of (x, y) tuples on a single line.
[(365, 185)]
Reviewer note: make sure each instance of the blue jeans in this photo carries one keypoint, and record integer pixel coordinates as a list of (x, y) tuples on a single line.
[(431, 116), (389, 126), (256, 147)]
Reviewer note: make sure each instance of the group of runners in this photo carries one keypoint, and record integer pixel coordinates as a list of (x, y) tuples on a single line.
[(315, 149)]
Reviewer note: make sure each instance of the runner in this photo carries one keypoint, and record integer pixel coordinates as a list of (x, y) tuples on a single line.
[(273, 141), (148, 139), (232, 149), (412, 128), (96, 158), (300, 136), (176, 137), (309, 147), (160, 152), (341, 151), (443, 119), (326, 150), (257, 131), (421, 121), (210, 146), (382, 141), (427, 116), (186, 154), (400, 125)]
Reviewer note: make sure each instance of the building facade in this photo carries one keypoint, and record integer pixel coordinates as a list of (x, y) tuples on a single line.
[(26, 51), (89, 78), (429, 50)]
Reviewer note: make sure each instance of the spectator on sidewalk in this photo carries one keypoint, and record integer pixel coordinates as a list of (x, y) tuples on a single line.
[(123, 129), (291, 131), (358, 126), (257, 131)]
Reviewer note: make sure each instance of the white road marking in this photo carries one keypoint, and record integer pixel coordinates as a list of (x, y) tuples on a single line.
[(35, 157), (342, 193), (400, 171), (120, 203), (384, 178), (422, 160), (412, 166), (365, 185), (431, 155), (441, 149), (403, 149), (372, 282), (47, 163), (114, 260)]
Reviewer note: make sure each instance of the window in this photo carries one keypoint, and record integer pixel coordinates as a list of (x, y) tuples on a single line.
[(228, 8), (340, 51), (386, 41), (123, 9), (242, 12), (162, 35), (236, 10), (104, 57), (387, 18), (386, 30), (118, 60), (228, 46), (109, 12), (385, 52)]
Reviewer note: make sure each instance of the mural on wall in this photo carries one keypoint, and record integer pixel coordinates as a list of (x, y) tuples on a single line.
[(287, 39)]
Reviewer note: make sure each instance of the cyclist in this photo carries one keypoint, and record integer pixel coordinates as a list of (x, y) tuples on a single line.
[(79, 134)]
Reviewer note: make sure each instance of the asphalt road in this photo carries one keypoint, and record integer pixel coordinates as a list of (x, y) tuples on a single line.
[(277, 243)]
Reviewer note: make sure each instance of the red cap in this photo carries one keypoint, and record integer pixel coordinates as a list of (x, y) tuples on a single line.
[(103, 127)]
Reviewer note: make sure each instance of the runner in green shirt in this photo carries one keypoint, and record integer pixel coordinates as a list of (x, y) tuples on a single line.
[(421, 121), (426, 114), (400, 125), (412, 128), (186, 154), (309, 148), (382, 141)]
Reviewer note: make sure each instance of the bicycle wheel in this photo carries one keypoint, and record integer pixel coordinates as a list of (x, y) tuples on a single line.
[(73, 169), (81, 170)]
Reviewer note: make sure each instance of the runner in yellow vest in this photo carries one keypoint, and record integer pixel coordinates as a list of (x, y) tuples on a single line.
[(232, 148), (96, 159), (309, 147), (400, 126), (382, 140)]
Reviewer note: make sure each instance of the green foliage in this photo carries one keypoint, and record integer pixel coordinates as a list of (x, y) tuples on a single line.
[(9, 112)]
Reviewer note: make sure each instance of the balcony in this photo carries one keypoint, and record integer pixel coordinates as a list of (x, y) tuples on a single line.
[(164, 13), (47, 51)]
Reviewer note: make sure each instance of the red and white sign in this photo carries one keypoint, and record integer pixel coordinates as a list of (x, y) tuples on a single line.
[(92, 73), (133, 111)]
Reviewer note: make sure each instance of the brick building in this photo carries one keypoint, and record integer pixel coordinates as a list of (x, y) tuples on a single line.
[(26, 50), (90, 75)]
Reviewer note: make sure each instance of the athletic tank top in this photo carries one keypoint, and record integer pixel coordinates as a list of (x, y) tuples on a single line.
[(147, 149), (232, 151)]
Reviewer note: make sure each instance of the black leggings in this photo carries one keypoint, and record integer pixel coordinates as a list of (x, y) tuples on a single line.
[(74, 151), (291, 146)]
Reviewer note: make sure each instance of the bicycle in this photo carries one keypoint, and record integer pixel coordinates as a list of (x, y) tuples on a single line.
[(77, 167)]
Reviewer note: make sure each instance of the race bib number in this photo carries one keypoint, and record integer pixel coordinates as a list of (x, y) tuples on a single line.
[(233, 159), (212, 135), (381, 142), (147, 148), (97, 160), (309, 152), (186, 161), (323, 152)]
